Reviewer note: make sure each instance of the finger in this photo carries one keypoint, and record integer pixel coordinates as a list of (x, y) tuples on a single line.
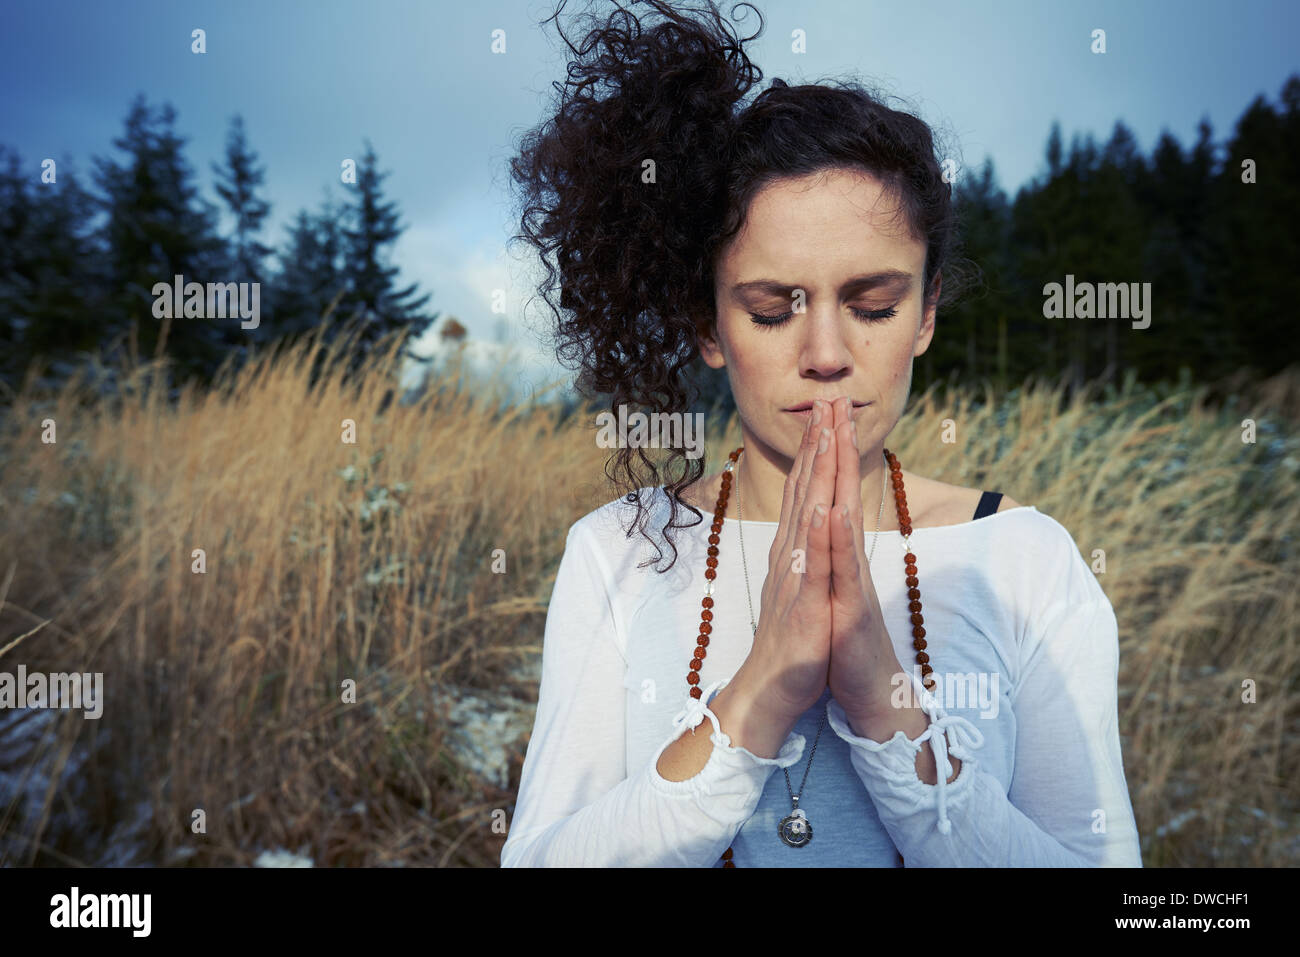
[(846, 559), (783, 542), (845, 528), (798, 508), (821, 485), (817, 555), (792, 480), (848, 478), (805, 473)]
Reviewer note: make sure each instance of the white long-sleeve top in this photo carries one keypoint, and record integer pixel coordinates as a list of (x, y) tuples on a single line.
[(1025, 651)]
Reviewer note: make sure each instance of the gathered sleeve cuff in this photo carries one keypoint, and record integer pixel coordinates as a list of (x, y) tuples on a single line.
[(888, 769), (727, 762)]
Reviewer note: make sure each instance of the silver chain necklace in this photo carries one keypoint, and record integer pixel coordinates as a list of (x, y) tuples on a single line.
[(795, 829)]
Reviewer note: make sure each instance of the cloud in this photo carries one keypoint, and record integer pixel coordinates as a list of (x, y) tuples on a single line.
[(466, 281)]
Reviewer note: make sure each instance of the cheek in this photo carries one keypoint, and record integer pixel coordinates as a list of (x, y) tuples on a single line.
[(898, 373), (748, 360), (903, 365), (893, 360)]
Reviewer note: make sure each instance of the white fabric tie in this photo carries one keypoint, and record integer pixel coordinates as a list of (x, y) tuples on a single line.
[(950, 729), (697, 708)]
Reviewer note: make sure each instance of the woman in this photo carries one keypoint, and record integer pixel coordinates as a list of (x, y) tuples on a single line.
[(800, 245)]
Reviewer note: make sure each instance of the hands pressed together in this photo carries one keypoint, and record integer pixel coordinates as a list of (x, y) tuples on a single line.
[(821, 623)]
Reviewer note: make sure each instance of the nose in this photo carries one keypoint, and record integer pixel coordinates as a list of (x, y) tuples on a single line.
[(825, 351)]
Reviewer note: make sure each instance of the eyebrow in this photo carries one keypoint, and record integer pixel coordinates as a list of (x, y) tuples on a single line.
[(887, 277)]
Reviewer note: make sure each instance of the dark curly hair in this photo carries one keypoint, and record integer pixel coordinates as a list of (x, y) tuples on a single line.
[(635, 259)]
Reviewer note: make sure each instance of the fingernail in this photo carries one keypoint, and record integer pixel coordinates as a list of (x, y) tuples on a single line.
[(817, 412), (819, 515), (825, 442), (847, 523), (854, 433)]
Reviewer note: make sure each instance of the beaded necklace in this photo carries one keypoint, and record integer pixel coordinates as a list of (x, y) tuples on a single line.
[(711, 573)]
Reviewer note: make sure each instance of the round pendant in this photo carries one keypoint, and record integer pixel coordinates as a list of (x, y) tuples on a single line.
[(795, 828)]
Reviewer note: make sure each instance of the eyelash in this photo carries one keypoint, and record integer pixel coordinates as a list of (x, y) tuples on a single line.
[(877, 315)]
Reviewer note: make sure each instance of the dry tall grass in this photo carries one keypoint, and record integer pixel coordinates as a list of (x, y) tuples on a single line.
[(373, 561)]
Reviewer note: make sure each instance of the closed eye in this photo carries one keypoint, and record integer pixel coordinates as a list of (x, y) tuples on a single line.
[(866, 315)]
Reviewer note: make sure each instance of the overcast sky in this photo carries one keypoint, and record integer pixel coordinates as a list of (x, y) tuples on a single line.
[(313, 78)]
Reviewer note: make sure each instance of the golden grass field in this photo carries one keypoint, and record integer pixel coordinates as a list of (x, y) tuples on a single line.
[(372, 561)]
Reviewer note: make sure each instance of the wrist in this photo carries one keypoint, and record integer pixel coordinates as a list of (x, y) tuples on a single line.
[(748, 724), (749, 691), (912, 722), (880, 727)]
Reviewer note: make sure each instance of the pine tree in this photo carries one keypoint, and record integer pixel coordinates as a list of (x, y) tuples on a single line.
[(311, 272), (237, 183), (983, 314), (1256, 247), (1116, 236), (373, 227), (48, 287), (157, 227)]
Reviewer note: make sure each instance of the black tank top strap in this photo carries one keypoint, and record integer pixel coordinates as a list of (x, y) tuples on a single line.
[(988, 504)]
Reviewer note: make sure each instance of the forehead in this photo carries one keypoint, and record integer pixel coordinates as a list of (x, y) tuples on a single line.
[(831, 221)]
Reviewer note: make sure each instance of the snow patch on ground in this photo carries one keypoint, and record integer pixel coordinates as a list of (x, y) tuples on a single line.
[(282, 858), (486, 727)]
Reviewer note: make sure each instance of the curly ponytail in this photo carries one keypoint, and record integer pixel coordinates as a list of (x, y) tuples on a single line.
[(643, 174)]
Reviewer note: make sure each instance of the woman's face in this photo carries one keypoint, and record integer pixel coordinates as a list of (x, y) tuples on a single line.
[(813, 250)]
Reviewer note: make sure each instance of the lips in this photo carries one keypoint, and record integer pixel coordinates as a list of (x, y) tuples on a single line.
[(807, 406)]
